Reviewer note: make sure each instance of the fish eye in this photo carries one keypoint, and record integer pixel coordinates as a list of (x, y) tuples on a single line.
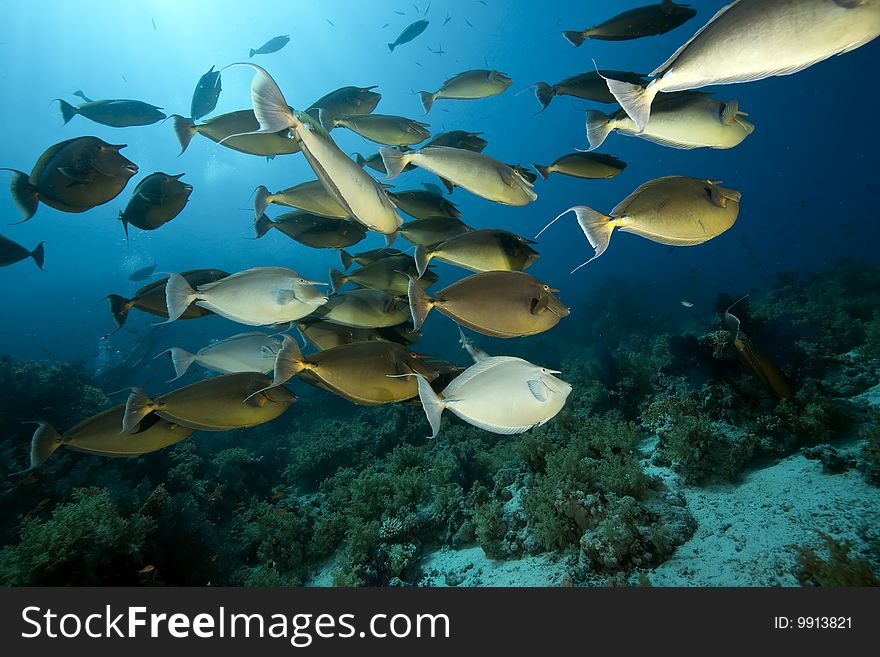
[(546, 287)]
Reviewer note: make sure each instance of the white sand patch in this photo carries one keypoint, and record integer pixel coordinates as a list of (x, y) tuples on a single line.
[(746, 532), (471, 567)]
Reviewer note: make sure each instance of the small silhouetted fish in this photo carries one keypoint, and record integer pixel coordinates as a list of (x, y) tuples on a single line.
[(272, 45), (409, 33), (142, 273), (116, 113), (439, 50), (206, 94), (153, 21), (686, 304), (80, 94), (448, 18), (400, 13), (12, 252), (332, 24), (386, 25), (468, 22)]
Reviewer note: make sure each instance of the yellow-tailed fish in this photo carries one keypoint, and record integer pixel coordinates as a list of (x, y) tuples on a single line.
[(675, 210)]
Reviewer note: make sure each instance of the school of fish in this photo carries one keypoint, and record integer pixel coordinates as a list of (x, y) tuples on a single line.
[(363, 334)]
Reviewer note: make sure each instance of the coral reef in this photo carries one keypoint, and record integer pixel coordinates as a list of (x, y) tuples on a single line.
[(840, 568)]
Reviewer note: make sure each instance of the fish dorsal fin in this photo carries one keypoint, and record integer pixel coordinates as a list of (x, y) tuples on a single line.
[(49, 153), (660, 70), (476, 370), (538, 389)]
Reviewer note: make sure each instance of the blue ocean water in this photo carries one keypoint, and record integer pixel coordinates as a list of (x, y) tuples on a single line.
[(807, 174)]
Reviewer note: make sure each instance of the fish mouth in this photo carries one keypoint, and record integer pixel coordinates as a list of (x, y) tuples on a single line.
[(132, 168)]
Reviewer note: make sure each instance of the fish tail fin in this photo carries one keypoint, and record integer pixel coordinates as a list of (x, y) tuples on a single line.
[(43, 443), (391, 47), (575, 37), (422, 257), (597, 228), (24, 195), (544, 93), (288, 362), (432, 404), (337, 280), (361, 161), (544, 171), (178, 296), (261, 201), (185, 129), (394, 160), (252, 53), (346, 258), (119, 307), (68, 111), (634, 99), (390, 238), (38, 254), (427, 99), (598, 128), (181, 359), (420, 303), (262, 226), (124, 225), (137, 407)]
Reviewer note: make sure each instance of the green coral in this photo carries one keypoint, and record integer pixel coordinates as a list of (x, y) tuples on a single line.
[(598, 457), (701, 450), (85, 542)]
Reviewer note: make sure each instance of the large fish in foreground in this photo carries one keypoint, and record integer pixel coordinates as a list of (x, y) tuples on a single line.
[(221, 403), (685, 119), (359, 194), (245, 352), (468, 85), (476, 172), (755, 39), (72, 176), (156, 200), (504, 304), (234, 130), (636, 23), (370, 373), (260, 296), (675, 210), (100, 435), (313, 230), (501, 394)]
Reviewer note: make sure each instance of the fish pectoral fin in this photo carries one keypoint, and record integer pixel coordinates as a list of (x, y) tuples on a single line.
[(540, 304), (285, 296), (538, 389), (75, 176), (507, 176), (153, 199)]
